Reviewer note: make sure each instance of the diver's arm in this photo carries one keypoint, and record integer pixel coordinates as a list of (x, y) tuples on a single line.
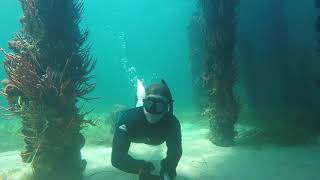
[(174, 151), (120, 157)]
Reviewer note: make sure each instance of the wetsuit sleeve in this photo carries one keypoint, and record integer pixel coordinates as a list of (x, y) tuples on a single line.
[(120, 157), (174, 146)]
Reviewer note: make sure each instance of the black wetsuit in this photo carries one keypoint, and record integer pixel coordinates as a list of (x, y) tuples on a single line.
[(134, 127)]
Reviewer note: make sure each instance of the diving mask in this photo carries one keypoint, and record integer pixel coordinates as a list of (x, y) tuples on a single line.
[(154, 104)]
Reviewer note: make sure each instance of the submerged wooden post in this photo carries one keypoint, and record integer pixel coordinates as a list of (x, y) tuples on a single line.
[(220, 69), (196, 48), (48, 71), (317, 5)]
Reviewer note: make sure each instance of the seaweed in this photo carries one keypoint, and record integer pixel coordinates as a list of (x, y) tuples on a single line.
[(317, 24), (48, 71), (196, 46), (220, 68)]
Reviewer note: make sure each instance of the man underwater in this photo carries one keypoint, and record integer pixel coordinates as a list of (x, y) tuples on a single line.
[(152, 124)]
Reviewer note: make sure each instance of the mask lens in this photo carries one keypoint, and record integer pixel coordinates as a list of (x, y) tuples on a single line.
[(147, 104), (160, 107), (155, 106)]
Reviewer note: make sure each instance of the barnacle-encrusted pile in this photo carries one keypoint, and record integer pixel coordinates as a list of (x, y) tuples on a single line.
[(220, 70), (47, 72)]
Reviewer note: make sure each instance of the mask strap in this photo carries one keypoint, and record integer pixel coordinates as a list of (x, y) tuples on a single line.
[(171, 100)]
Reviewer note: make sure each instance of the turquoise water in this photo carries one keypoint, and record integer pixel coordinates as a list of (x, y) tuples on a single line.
[(148, 40), (130, 39), (277, 75)]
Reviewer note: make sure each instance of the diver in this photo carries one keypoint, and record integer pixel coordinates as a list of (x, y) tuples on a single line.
[(153, 123)]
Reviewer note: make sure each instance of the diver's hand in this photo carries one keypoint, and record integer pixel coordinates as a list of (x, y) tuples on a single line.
[(148, 167), (165, 172), (168, 175), (145, 172), (148, 177)]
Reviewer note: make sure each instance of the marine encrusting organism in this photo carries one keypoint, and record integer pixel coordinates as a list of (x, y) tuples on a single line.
[(47, 73), (220, 69)]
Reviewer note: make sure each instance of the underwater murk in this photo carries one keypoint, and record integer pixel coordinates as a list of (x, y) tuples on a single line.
[(192, 89)]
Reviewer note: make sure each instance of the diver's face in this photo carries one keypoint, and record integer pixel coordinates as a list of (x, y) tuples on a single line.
[(153, 118), (155, 107)]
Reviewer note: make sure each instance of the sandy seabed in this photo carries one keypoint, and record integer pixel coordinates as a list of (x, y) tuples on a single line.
[(201, 161)]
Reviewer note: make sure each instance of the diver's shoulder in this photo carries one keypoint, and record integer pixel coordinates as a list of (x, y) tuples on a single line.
[(175, 120), (131, 113), (174, 117), (134, 110)]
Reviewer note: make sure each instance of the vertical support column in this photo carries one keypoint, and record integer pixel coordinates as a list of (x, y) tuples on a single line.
[(220, 69)]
